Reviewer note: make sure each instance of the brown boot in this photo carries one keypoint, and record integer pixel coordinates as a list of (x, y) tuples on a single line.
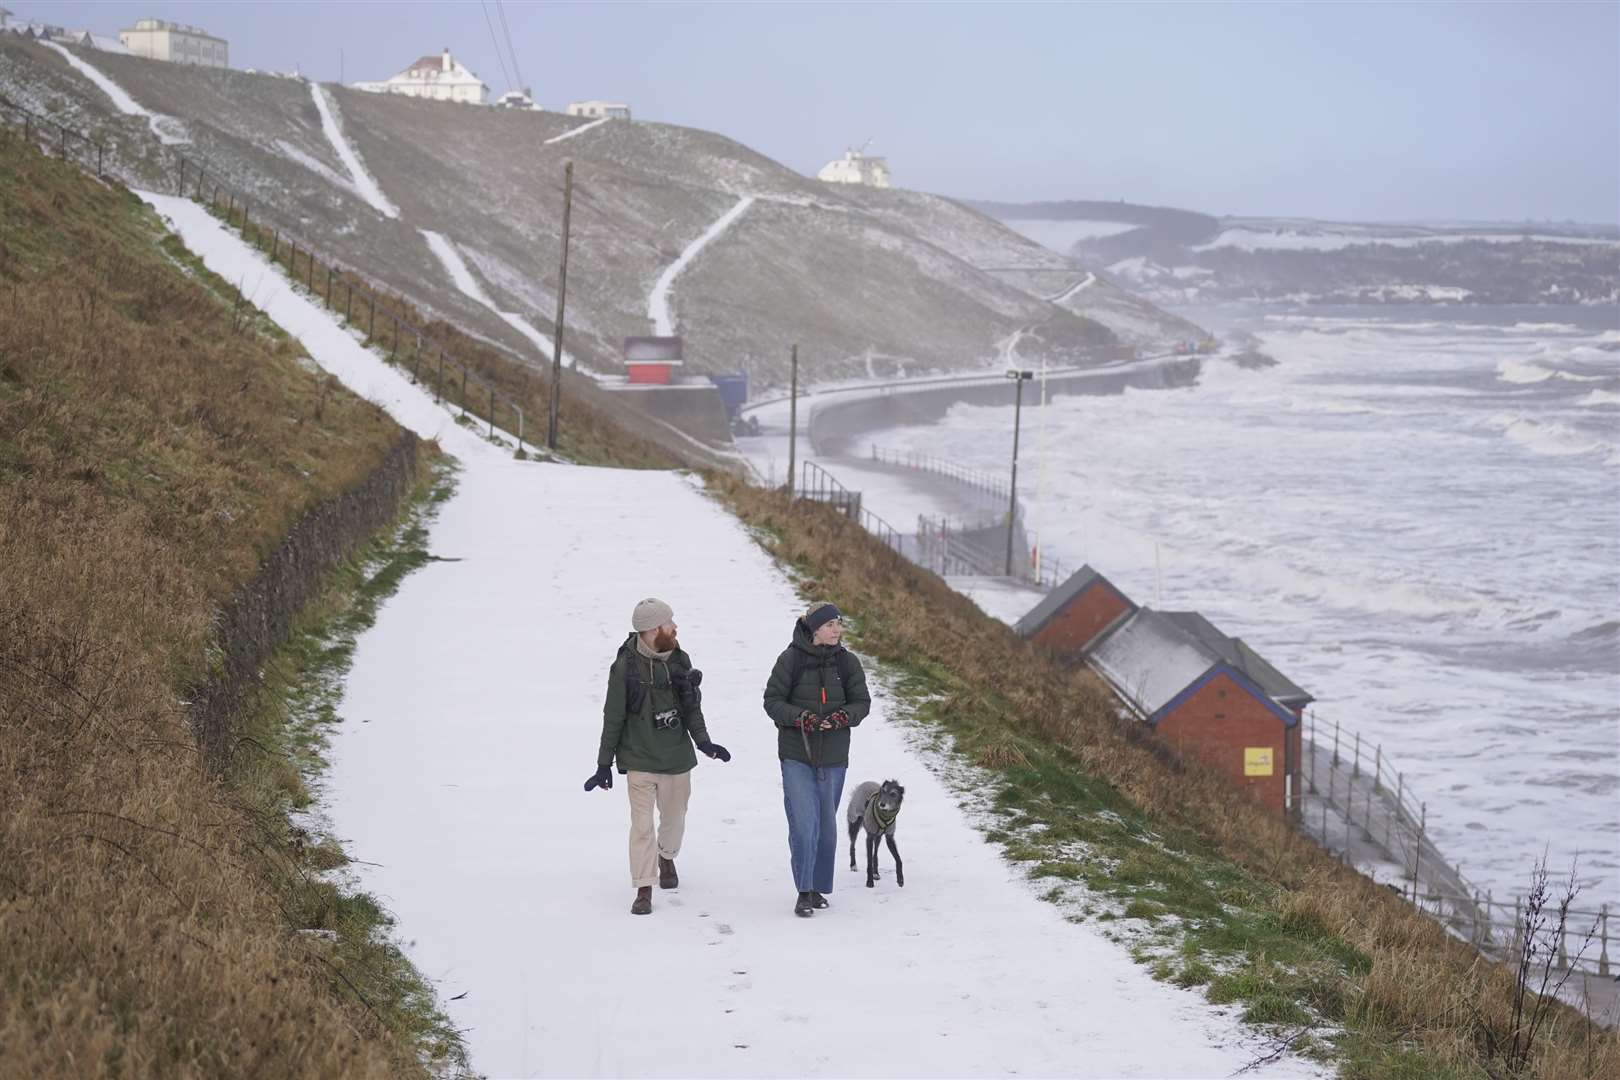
[(667, 878), (643, 904)]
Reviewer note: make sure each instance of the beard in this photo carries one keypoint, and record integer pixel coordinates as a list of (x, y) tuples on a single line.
[(664, 641)]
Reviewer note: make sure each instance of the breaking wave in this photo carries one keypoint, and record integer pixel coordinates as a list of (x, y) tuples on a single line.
[(1524, 372)]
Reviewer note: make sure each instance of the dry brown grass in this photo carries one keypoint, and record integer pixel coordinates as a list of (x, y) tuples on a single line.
[(1424, 990), (151, 453)]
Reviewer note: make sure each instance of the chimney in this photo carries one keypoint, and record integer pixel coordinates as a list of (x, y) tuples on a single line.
[(444, 62)]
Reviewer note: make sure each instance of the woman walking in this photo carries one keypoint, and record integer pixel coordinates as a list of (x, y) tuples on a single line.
[(816, 693)]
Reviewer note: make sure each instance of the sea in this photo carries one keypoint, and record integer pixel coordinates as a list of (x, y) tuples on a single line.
[(1414, 514)]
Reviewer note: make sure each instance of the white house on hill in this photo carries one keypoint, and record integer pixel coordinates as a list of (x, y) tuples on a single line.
[(856, 168), (442, 78), (596, 110)]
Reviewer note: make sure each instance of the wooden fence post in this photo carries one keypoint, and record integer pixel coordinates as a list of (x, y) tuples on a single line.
[(492, 410), (1603, 940), (371, 314)]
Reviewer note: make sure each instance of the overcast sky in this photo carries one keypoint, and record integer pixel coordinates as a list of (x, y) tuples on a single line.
[(1348, 111)]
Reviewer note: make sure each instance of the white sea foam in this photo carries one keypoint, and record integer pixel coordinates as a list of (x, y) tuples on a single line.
[(1548, 437), (1601, 397), (1525, 372)]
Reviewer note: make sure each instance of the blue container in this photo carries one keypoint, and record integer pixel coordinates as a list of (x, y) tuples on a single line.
[(733, 391)]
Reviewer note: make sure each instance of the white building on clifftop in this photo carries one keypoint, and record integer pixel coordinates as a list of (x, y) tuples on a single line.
[(441, 78), (856, 167), (156, 39)]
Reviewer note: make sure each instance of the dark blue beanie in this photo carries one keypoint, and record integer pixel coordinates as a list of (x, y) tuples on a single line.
[(820, 617)]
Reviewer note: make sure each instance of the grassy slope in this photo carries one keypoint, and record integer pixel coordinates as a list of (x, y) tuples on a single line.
[(1205, 887), (156, 441)]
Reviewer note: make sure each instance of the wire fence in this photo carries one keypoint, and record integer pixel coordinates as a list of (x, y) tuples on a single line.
[(1379, 813), (70, 144), (409, 345)]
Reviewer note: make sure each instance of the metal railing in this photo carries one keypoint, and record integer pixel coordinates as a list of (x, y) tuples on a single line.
[(818, 485), (1378, 807), (973, 479), (336, 285)]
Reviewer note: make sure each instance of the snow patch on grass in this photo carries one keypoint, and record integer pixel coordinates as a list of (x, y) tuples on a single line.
[(360, 180)]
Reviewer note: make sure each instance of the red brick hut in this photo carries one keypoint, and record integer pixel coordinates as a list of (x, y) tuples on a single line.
[(1076, 613), (651, 361), (1209, 695)]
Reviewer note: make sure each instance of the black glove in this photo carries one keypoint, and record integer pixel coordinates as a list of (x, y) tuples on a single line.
[(714, 749), (602, 779)]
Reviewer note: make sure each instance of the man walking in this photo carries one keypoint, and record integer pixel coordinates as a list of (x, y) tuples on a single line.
[(652, 718), (816, 693)]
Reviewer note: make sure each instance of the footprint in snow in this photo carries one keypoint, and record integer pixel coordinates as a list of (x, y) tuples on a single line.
[(724, 928)]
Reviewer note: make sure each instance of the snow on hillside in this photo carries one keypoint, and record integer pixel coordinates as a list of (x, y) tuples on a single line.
[(658, 301), (463, 279), (169, 131), (852, 280), (470, 719), (362, 180), (1327, 236)]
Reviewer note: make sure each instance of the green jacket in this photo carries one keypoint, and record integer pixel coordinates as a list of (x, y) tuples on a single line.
[(830, 677), (628, 729)]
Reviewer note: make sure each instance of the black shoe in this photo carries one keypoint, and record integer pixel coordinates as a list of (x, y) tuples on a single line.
[(667, 878), (643, 902), (804, 907), (817, 900)]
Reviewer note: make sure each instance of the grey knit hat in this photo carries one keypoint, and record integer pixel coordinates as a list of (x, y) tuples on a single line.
[(650, 614)]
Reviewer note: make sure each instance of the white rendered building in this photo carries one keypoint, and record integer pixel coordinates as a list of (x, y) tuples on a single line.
[(856, 168), (517, 99), (156, 39), (441, 78), (596, 110)]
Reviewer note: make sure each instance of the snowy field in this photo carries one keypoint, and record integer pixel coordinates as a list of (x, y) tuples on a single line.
[(470, 722), (1415, 518)]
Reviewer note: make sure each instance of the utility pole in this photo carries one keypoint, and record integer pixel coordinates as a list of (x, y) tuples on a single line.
[(1019, 378), (562, 295), (793, 420)]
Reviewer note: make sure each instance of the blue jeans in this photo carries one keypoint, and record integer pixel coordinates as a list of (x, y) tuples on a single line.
[(811, 797)]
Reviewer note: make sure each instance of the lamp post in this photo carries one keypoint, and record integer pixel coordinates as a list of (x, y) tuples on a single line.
[(1019, 378)]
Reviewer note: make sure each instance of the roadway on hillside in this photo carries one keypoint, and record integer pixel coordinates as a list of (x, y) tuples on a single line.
[(470, 721)]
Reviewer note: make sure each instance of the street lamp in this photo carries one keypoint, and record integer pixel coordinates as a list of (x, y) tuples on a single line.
[(1019, 378)]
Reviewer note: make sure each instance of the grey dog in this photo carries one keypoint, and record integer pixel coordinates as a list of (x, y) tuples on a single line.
[(876, 807)]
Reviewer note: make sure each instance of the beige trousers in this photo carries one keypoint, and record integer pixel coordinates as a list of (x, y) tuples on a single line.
[(670, 791)]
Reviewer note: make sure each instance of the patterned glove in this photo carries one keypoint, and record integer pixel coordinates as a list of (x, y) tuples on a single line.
[(714, 750), (602, 779), (808, 721), (838, 720)]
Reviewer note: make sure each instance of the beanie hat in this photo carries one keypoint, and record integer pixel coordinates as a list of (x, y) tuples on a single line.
[(650, 614), (820, 616)]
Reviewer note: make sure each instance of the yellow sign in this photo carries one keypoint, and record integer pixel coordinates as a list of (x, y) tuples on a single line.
[(1257, 761)]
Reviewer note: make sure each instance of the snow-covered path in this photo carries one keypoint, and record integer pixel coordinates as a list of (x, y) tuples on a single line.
[(363, 181), (571, 132), (463, 279), (658, 302), (470, 721), (169, 131), (1084, 283)]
